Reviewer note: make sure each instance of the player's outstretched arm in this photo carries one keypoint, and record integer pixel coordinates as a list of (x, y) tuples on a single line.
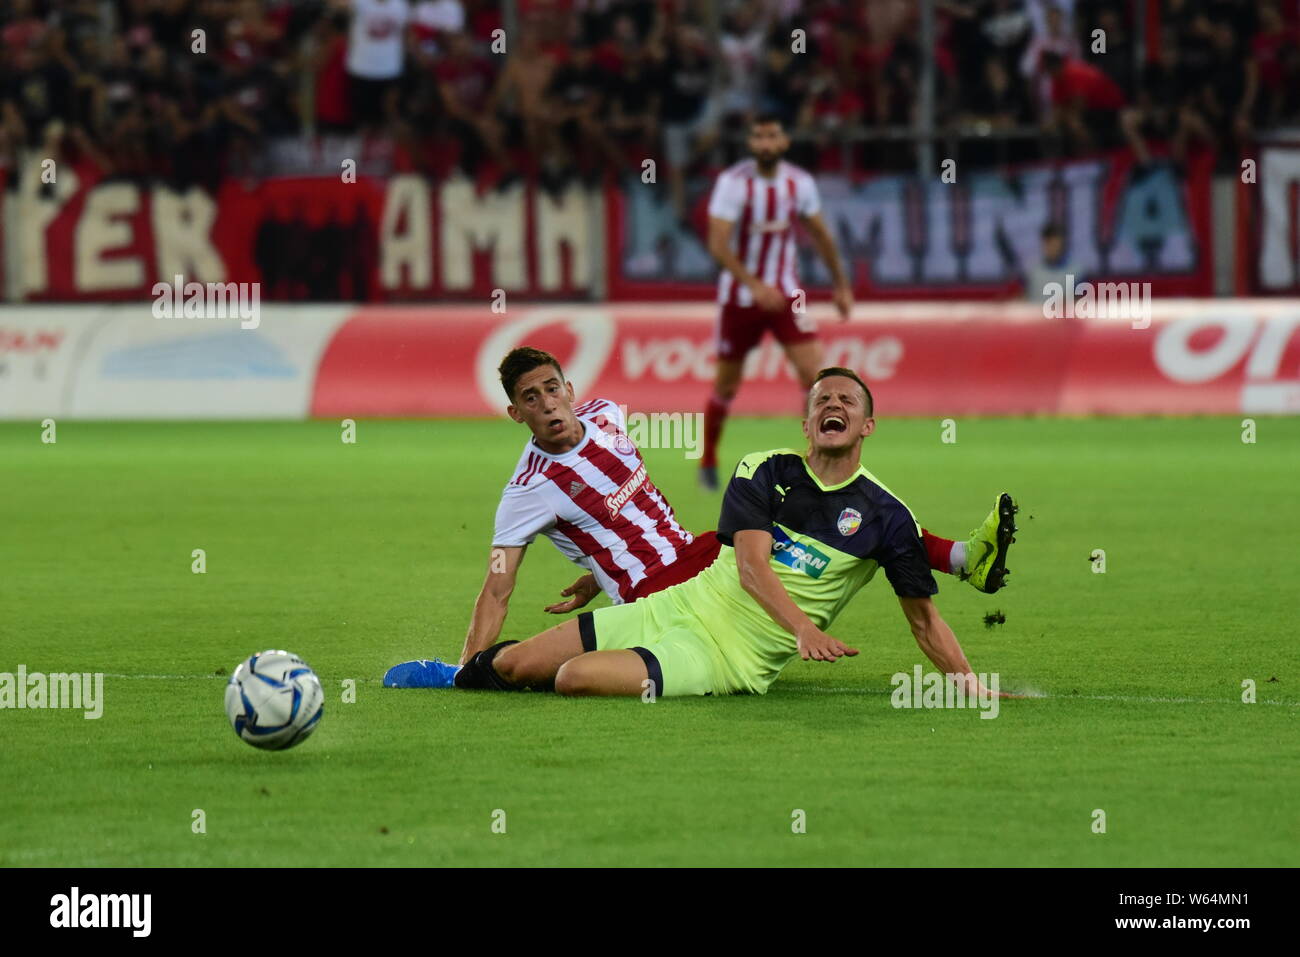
[(753, 548), (939, 643), (493, 600)]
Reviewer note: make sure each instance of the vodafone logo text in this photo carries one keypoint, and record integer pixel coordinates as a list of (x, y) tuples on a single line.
[(1206, 348)]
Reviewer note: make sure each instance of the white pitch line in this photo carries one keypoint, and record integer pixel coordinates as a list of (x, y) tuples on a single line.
[(222, 676), (1132, 699), (1128, 699), (111, 674)]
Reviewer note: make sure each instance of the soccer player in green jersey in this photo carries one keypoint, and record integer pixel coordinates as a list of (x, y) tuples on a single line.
[(801, 533)]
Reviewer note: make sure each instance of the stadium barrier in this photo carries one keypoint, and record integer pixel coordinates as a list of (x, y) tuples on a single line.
[(940, 359), (408, 238)]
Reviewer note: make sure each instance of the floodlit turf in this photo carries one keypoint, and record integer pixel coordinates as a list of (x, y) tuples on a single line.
[(359, 556)]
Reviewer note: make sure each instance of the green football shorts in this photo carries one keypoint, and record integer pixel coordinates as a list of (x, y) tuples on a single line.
[(696, 638)]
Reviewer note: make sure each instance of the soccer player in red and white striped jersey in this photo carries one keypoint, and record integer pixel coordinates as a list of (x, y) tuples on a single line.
[(581, 482), (752, 213), (595, 502)]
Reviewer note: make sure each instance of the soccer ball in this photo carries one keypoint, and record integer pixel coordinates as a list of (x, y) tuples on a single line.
[(274, 700)]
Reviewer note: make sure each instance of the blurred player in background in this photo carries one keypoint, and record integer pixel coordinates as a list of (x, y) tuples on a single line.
[(751, 235), (581, 482)]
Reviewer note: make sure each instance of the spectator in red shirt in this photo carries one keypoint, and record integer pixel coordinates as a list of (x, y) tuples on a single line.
[(1075, 83), (333, 108), (1086, 104)]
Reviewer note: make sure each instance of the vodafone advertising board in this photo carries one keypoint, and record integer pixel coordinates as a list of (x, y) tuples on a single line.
[(922, 359), (1195, 357)]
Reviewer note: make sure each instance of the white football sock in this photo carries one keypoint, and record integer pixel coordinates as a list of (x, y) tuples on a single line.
[(957, 558)]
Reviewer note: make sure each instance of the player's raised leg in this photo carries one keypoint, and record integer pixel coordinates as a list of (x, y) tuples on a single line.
[(946, 556), (985, 566), (981, 560)]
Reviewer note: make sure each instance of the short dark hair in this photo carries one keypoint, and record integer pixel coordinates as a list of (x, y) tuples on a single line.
[(848, 374), (767, 116), (521, 361), (1052, 228)]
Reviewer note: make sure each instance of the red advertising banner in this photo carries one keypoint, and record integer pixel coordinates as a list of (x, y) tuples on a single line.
[(922, 359), (929, 359), (310, 239), (407, 238)]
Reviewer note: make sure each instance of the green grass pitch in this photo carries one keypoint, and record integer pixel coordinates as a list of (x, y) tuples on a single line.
[(359, 556)]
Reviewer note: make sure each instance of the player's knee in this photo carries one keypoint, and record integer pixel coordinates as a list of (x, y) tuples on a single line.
[(511, 665), (575, 677)]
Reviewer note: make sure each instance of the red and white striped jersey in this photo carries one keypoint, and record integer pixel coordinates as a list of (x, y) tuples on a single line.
[(596, 503), (764, 211)]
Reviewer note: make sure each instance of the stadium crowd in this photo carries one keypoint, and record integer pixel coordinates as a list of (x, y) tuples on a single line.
[(191, 90)]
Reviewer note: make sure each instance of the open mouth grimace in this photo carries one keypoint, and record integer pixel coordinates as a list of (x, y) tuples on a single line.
[(833, 423)]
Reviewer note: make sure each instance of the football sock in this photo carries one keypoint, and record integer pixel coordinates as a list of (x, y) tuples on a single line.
[(943, 553), (957, 558), (478, 673), (715, 413)]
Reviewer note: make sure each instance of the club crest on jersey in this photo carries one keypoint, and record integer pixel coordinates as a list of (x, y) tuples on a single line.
[(849, 521), (609, 436)]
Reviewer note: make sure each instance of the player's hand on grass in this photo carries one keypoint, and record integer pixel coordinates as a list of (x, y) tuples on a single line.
[(819, 646), (583, 591), (768, 297), (844, 300), (974, 689)]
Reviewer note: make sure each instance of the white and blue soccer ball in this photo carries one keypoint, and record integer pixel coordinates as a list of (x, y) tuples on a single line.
[(274, 700)]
